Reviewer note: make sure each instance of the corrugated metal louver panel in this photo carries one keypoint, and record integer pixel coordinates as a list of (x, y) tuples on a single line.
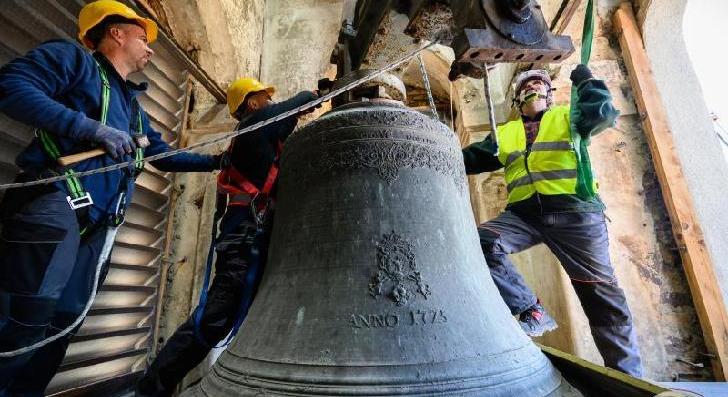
[(112, 346)]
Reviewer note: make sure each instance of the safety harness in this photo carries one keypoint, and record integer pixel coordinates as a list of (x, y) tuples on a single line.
[(236, 190), (241, 191), (78, 197)]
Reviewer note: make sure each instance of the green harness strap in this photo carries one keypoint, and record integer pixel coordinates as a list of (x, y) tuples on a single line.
[(49, 145), (139, 151), (585, 178)]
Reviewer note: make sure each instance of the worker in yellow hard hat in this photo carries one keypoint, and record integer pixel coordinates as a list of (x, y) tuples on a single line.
[(53, 235), (239, 90), (552, 199), (249, 188), (108, 12)]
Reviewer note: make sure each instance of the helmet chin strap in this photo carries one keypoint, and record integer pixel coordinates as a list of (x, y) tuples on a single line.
[(527, 97), (532, 96)]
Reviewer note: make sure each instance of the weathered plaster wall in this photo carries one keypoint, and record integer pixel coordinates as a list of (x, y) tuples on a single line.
[(224, 36), (299, 38), (697, 145)]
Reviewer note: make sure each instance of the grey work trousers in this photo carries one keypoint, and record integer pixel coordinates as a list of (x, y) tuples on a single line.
[(581, 243)]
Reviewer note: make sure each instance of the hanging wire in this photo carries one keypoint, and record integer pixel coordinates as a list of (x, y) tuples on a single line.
[(491, 112), (452, 117), (719, 130), (426, 80)]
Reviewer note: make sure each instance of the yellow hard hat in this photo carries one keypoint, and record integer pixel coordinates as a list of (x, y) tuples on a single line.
[(239, 89), (93, 13)]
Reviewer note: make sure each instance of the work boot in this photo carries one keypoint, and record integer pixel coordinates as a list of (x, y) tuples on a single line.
[(535, 321)]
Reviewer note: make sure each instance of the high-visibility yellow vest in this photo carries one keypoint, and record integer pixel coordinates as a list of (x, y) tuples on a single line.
[(549, 167)]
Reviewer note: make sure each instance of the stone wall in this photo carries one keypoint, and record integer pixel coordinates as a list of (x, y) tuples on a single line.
[(224, 36), (299, 38)]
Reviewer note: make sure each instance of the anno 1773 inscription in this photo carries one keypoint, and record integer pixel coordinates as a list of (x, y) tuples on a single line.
[(417, 317), (398, 280)]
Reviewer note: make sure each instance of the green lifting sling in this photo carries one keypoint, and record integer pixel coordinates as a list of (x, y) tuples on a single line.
[(78, 197), (585, 178)]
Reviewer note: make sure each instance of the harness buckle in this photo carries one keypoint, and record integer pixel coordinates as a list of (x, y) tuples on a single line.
[(83, 201)]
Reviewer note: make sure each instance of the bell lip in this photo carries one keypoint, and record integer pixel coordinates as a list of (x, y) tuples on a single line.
[(371, 103), (536, 376)]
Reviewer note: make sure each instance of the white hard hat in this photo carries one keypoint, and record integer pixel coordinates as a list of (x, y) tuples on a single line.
[(528, 75)]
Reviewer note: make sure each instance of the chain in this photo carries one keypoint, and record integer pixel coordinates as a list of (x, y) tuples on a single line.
[(232, 134), (489, 103), (426, 80), (452, 117)]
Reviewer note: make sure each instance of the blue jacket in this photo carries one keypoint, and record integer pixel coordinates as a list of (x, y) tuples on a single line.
[(253, 153), (57, 87)]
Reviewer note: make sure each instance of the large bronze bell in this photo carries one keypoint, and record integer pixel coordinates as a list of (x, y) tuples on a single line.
[(376, 284)]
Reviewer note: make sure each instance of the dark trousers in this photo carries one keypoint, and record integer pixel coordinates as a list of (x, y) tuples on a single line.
[(46, 276), (581, 243), (234, 248)]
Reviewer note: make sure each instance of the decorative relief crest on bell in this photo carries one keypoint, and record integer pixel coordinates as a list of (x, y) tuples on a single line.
[(397, 277), (389, 158)]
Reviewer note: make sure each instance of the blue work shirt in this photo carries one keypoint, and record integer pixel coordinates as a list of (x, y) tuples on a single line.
[(57, 87), (254, 153)]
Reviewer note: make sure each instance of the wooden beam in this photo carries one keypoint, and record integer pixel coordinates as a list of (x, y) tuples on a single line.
[(594, 380), (696, 259), (368, 19)]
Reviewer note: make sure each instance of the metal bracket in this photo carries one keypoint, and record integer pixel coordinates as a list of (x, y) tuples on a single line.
[(526, 26)]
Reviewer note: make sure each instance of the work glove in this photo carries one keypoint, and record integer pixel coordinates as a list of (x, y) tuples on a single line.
[(459, 69), (580, 74), (115, 142), (314, 95)]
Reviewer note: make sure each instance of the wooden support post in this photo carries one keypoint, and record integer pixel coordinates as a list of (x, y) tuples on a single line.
[(696, 259)]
